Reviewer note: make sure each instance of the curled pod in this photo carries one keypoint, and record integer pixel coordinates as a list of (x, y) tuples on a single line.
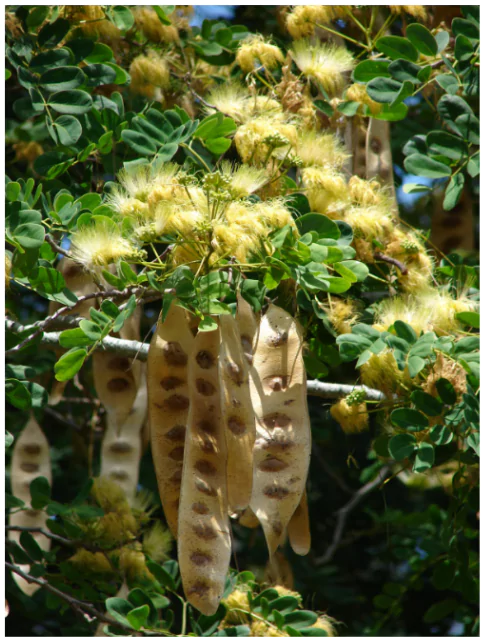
[(204, 544), (80, 282), (121, 451), (30, 460), (283, 436), (240, 429), (168, 405), (298, 529)]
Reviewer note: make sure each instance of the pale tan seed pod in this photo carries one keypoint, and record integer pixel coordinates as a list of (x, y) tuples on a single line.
[(30, 460), (168, 400), (239, 416), (283, 436), (298, 528), (122, 451), (248, 327), (249, 519), (80, 282), (204, 532)]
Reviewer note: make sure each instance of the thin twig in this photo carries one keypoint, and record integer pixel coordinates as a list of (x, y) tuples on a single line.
[(56, 248), (52, 536), (76, 604), (187, 78), (344, 512), (383, 257)]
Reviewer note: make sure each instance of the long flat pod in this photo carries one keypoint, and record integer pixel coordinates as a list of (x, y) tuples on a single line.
[(121, 451), (248, 327), (283, 436), (298, 528), (30, 460), (168, 398), (204, 531), (239, 416)]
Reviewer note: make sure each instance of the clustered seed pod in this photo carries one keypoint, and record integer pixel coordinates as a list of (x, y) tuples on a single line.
[(283, 438), (168, 397), (204, 530), (30, 460)]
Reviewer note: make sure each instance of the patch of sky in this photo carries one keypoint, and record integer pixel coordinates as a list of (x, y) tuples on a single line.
[(212, 12)]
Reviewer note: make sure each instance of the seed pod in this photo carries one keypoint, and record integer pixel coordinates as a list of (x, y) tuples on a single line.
[(204, 532), (80, 282), (283, 436), (239, 416), (249, 519), (168, 398), (298, 528), (121, 452), (30, 460), (248, 327)]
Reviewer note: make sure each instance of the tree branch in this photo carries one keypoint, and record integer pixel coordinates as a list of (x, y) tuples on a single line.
[(345, 511), (76, 604), (384, 257), (56, 248), (135, 349), (52, 536)]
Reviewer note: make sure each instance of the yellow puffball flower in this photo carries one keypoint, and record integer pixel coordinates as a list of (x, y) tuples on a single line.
[(358, 93), (370, 222), (326, 623), (342, 313), (100, 244), (451, 370), (148, 22), (259, 627), (255, 50), (324, 62), (381, 372), (110, 496), (149, 73), (323, 186), (352, 418), (229, 98), (94, 562), (415, 10), (365, 193), (253, 144), (157, 542), (302, 20), (238, 608), (320, 149), (132, 563), (244, 179)]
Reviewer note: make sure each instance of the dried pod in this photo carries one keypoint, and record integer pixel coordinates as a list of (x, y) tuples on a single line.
[(239, 416), (168, 398), (249, 519), (204, 532), (30, 460), (121, 452), (283, 436), (298, 528), (248, 327)]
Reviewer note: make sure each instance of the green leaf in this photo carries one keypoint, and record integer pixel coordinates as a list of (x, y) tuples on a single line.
[(383, 89), (73, 338), (409, 419), (90, 329), (463, 48), (17, 394), (162, 576), (442, 40), (31, 547), (29, 235), (99, 74), (370, 69), (446, 391), (405, 331), (12, 190), (325, 107), (454, 190), (444, 574), (219, 145), (424, 457), (69, 364), (473, 165), (162, 12), (9, 439), (122, 18), (207, 324), (402, 446), (426, 166), (53, 33), (450, 107), (100, 53), (440, 610), (441, 435), (396, 47), (391, 113), (313, 221), (40, 492), (422, 39), (74, 102), (139, 142), (460, 26), (470, 318), (415, 365), (119, 609), (37, 15), (468, 126), (137, 617), (62, 78), (443, 143), (406, 90), (402, 70), (426, 403), (300, 618), (349, 109), (65, 130)]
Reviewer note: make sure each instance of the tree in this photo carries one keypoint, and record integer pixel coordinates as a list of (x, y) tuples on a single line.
[(221, 204)]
